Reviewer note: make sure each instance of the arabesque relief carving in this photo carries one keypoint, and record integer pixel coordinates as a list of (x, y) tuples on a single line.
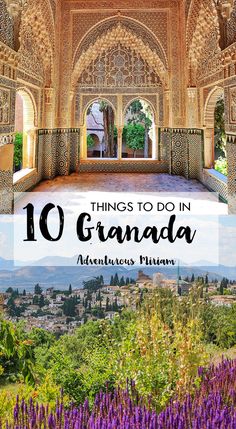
[(4, 106), (233, 105), (119, 67)]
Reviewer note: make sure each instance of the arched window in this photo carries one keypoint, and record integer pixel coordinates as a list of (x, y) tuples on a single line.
[(139, 130), (215, 139), (220, 156), (24, 150), (101, 132)]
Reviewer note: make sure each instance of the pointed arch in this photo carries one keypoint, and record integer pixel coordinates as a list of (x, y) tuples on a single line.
[(30, 109), (137, 98), (94, 100), (210, 105)]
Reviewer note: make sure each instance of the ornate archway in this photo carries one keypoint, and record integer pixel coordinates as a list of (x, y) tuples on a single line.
[(119, 59), (95, 122), (209, 123), (146, 116)]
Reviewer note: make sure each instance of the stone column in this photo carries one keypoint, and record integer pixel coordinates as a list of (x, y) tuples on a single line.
[(63, 116), (29, 139), (167, 112), (6, 178), (155, 146), (72, 108), (192, 113), (209, 148), (119, 142), (48, 108), (83, 145)]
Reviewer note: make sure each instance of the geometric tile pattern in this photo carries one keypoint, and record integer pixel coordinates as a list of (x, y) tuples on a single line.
[(195, 153), (62, 158), (183, 149), (165, 146), (74, 151), (26, 183), (179, 153), (45, 142), (59, 148), (212, 182), (6, 192), (232, 204), (231, 156)]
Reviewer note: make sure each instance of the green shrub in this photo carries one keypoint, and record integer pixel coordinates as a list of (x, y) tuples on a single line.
[(18, 150), (90, 141), (134, 136), (221, 165)]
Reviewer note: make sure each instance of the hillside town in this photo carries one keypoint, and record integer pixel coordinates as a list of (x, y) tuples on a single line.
[(61, 311)]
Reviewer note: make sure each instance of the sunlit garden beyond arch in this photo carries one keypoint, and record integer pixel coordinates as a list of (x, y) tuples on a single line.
[(138, 133), (220, 154), (101, 131)]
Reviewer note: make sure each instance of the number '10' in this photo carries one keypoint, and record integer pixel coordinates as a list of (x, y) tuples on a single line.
[(43, 222)]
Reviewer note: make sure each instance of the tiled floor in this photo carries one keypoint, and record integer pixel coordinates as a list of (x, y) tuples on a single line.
[(125, 182)]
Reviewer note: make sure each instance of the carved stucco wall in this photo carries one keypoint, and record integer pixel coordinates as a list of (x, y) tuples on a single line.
[(6, 26), (231, 27), (25, 65), (210, 68)]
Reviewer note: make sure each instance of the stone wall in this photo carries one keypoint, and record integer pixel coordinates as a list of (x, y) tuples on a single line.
[(231, 153)]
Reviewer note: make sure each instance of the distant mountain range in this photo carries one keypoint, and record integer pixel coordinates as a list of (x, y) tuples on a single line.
[(61, 277)]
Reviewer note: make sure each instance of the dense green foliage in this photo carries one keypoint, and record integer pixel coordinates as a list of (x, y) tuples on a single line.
[(220, 141), (116, 281), (69, 307), (221, 165), (18, 150), (134, 137), (136, 133), (16, 354), (90, 141), (94, 284), (219, 325)]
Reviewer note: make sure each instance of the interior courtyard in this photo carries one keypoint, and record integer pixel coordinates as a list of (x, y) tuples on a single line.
[(118, 96)]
